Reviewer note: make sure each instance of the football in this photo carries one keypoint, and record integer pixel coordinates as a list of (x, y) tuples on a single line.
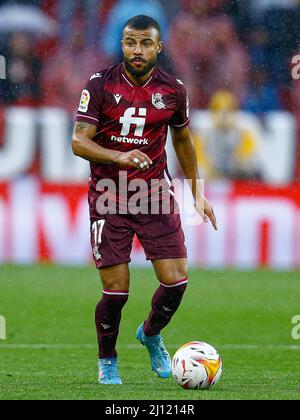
[(197, 365)]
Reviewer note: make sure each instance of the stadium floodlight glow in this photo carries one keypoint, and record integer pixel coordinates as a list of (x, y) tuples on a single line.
[(2, 328), (2, 67)]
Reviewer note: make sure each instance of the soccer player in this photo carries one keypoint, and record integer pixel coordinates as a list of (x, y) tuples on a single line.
[(121, 128)]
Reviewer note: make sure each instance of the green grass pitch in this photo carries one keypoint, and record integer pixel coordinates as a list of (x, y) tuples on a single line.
[(51, 352)]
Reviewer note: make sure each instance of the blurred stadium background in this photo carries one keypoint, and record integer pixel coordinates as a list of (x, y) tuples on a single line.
[(237, 61), (240, 62)]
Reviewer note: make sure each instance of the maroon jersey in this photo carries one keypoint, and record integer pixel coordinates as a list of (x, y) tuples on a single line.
[(132, 117)]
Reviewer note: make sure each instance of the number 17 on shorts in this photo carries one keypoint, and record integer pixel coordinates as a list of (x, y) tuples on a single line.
[(97, 230)]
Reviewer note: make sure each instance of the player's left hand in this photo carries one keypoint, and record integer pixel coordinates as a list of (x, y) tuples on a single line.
[(206, 211)]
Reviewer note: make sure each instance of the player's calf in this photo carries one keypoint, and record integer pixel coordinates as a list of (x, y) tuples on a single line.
[(165, 303), (108, 318)]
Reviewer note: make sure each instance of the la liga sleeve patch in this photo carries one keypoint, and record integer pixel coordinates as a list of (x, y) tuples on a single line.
[(84, 101)]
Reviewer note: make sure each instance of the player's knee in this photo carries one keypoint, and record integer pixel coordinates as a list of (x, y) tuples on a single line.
[(171, 271), (115, 279), (173, 277), (116, 285)]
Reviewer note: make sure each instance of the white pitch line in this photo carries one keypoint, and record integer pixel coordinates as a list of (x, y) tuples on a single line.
[(240, 347), (137, 346), (46, 346), (260, 347)]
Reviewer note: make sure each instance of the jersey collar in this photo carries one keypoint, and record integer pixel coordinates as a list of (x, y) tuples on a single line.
[(130, 83)]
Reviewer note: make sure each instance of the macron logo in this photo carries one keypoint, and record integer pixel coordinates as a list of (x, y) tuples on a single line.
[(95, 76), (105, 326), (118, 98)]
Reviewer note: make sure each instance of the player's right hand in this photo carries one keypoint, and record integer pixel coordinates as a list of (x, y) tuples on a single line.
[(134, 159), (206, 211)]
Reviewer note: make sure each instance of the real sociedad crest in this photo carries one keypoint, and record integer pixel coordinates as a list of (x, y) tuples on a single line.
[(157, 101)]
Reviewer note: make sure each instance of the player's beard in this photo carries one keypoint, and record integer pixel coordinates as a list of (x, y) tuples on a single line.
[(139, 72)]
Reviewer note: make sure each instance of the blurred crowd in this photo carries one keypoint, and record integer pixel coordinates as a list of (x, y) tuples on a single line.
[(241, 48)]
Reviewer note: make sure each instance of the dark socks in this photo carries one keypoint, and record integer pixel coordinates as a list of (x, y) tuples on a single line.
[(108, 318), (165, 303)]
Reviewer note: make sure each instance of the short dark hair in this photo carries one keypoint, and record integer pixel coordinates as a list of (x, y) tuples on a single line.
[(142, 22)]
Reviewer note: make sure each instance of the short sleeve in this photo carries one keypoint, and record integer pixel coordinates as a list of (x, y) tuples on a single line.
[(91, 101), (181, 118)]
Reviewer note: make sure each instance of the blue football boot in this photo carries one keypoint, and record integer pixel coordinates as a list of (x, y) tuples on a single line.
[(108, 372), (160, 358)]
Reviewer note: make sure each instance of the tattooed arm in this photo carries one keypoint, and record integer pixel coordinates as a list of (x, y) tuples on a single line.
[(84, 146)]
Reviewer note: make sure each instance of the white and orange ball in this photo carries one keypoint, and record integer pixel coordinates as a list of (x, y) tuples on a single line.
[(197, 365)]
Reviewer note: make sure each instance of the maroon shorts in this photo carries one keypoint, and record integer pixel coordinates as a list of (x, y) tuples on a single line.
[(112, 237)]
